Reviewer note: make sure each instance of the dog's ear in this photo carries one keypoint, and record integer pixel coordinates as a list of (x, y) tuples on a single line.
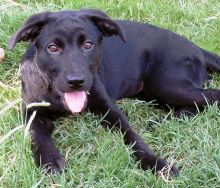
[(105, 24), (30, 29)]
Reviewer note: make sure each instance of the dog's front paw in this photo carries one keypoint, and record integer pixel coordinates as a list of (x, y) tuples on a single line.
[(51, 161), (158, 166), (56, 165), (163, 167)]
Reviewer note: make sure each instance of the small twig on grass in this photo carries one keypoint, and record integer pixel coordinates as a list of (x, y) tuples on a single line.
[(36, 104), (26, 131), (10, 3), (165, 173), (215, 17)]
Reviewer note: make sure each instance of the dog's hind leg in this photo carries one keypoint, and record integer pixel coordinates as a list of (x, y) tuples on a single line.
[(187, 98), (212, 60)]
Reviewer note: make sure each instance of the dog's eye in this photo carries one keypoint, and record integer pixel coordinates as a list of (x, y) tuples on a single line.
[(53, 48), (87, 45)]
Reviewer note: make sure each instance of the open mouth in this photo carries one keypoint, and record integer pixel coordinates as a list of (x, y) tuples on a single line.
[(76, 101)]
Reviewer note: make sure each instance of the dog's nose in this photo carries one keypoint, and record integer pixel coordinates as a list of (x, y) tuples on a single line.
[(75, 81)]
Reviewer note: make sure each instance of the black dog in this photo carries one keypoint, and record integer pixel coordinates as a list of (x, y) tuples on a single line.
[(73, 64)]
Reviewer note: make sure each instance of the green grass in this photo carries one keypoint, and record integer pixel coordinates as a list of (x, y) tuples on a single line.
[(98, 157)]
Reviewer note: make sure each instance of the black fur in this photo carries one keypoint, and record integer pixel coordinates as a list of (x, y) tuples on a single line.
[(154, 62)]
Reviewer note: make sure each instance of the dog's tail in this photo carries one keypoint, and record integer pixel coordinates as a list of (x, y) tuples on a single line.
[(212, 61)]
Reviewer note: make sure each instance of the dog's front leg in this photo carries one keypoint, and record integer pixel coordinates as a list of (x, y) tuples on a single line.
[(45, 153), (100, 103)]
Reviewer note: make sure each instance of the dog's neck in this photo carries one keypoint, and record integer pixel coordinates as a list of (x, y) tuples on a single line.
[(34, 85)]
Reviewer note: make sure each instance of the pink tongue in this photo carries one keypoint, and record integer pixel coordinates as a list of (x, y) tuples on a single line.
[(75, 101)]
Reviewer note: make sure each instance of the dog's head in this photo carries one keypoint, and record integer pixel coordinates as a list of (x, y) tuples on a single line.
[(68, 49)]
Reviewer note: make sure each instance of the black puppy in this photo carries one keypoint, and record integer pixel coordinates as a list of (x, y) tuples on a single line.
[(73, 63)]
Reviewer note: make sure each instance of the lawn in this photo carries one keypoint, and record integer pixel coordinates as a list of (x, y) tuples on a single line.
[(97, 157)]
